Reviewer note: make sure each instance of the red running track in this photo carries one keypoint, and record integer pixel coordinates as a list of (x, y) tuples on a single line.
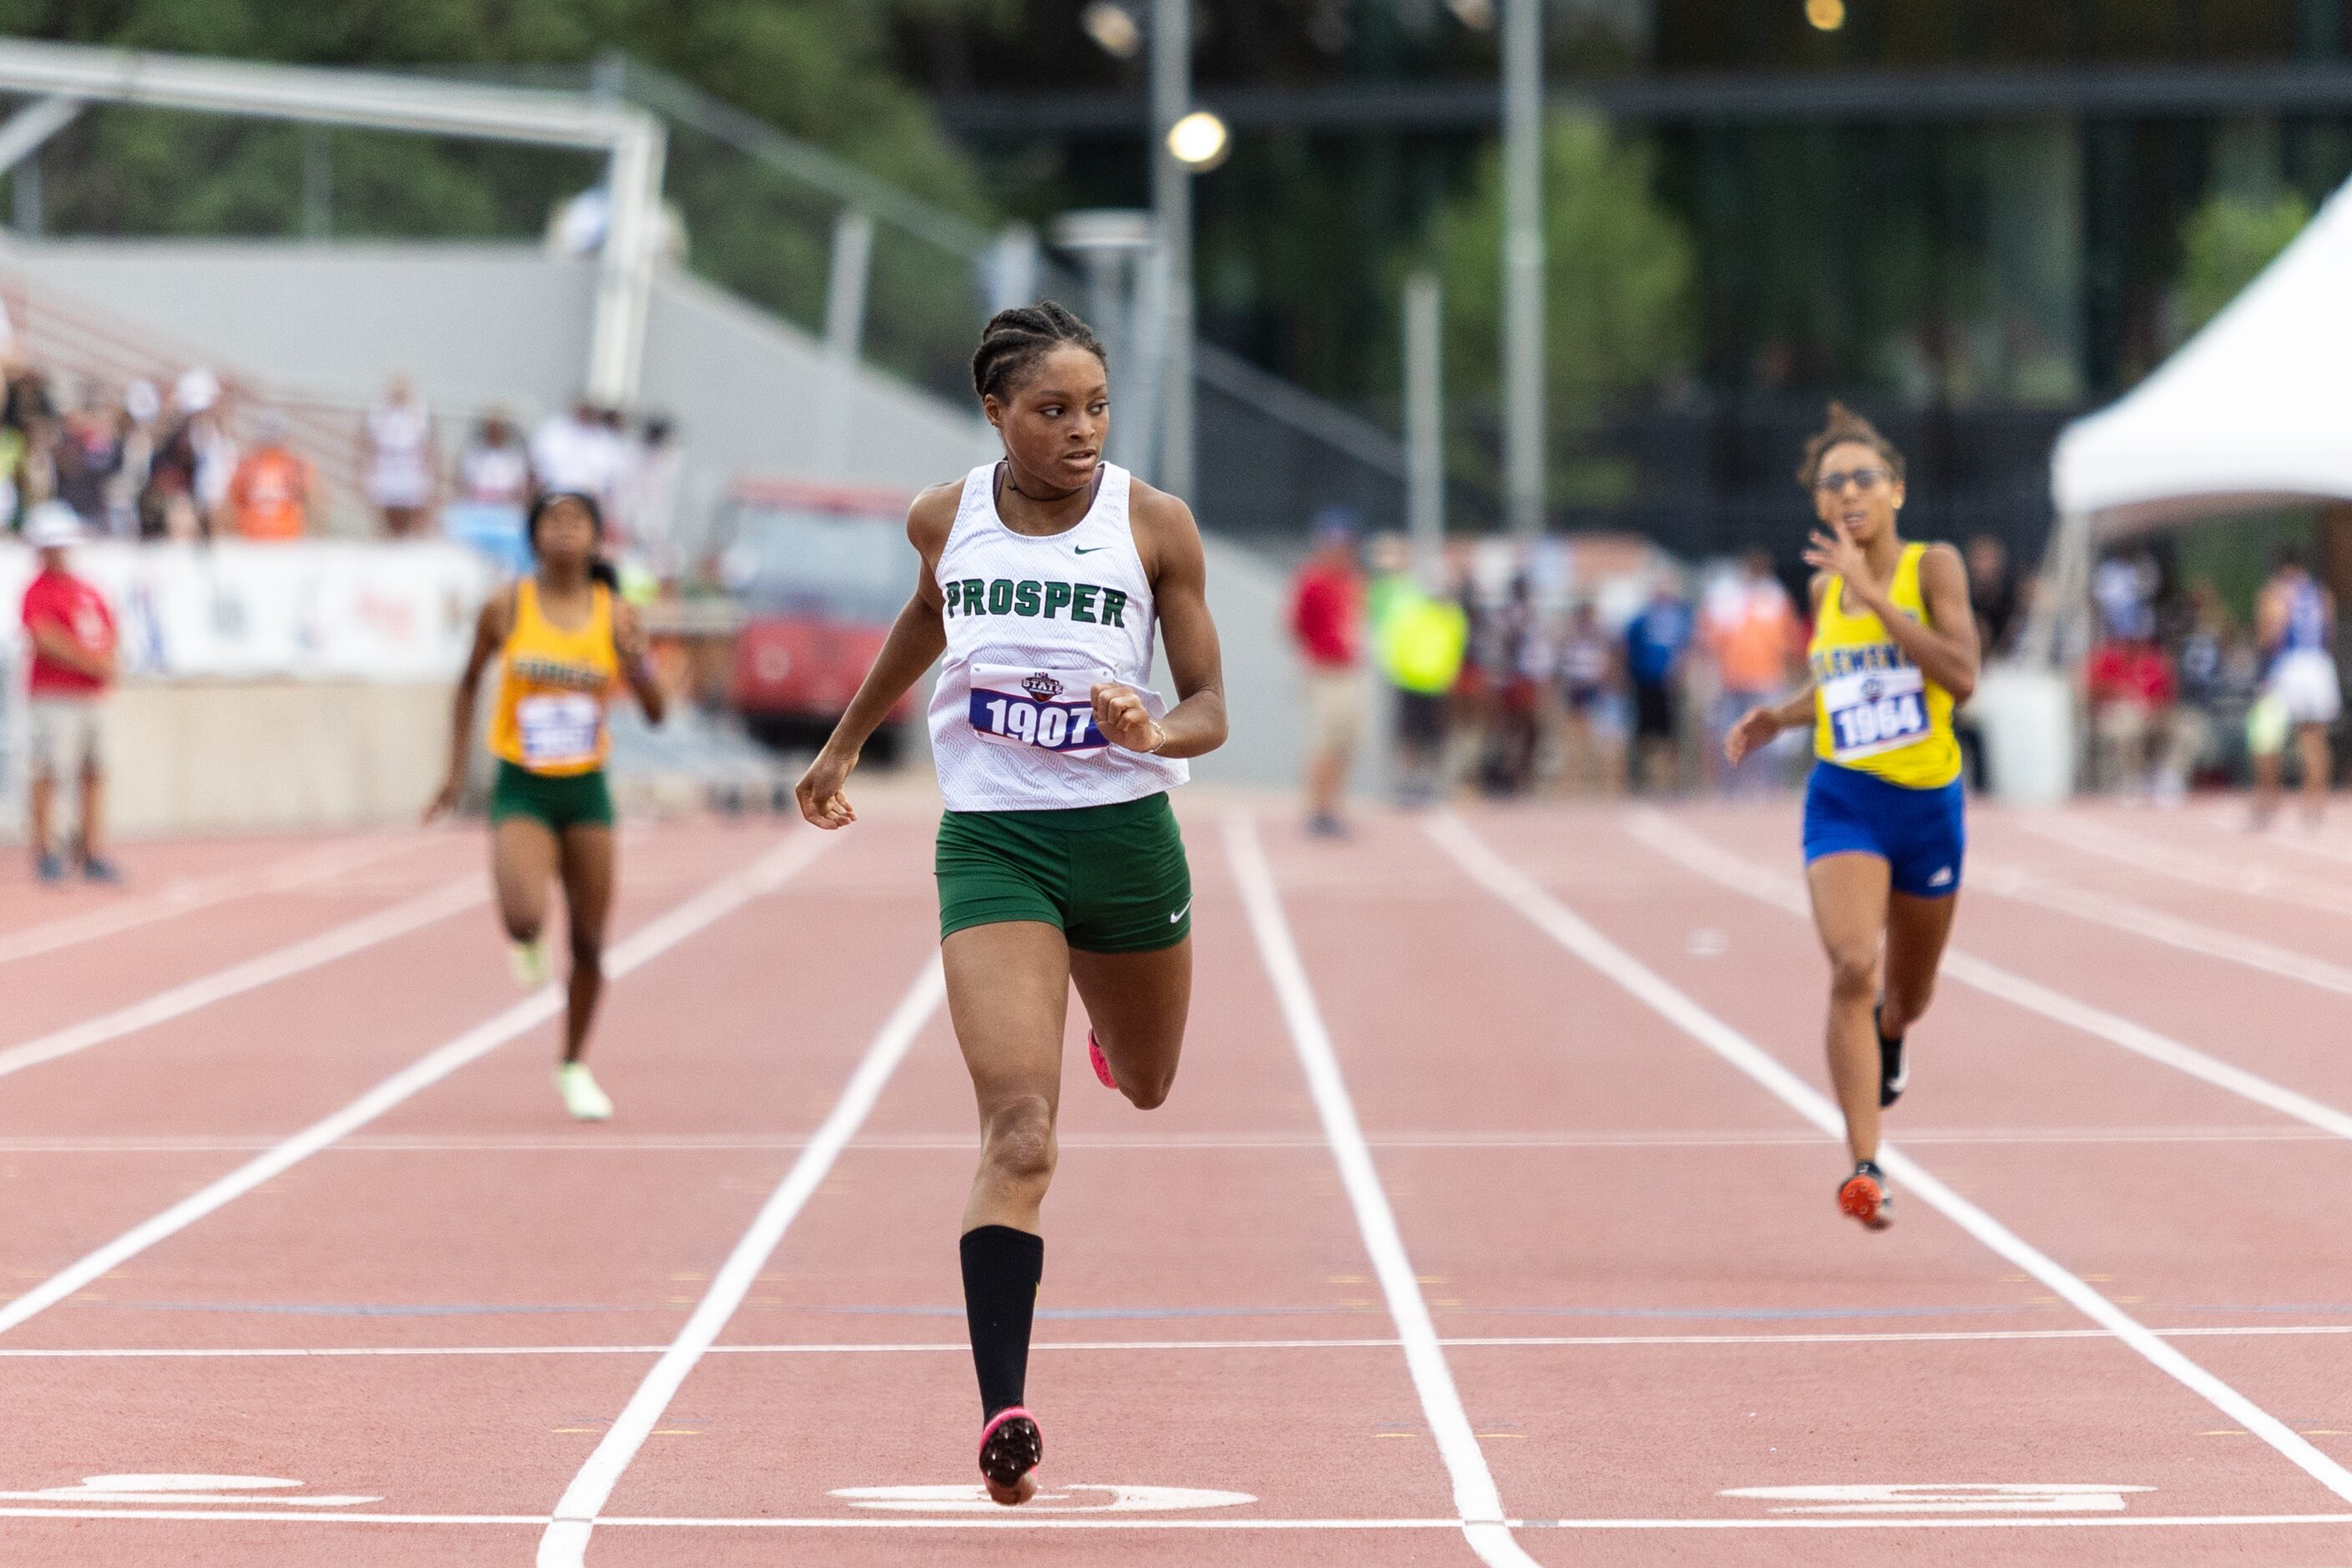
[(1616, 1299)]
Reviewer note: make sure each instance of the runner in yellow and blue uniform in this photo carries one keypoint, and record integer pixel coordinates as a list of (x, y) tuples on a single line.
[(565, 644), (1894, 649)]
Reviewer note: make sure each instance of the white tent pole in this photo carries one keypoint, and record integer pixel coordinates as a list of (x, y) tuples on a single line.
[(31, 126), (624, 283)]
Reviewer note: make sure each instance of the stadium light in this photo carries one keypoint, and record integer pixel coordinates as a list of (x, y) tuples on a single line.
[(1826, 16), (1113, 29), (1200, 141)]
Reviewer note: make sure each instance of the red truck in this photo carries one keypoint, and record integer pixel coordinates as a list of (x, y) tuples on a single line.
[(822, 571)]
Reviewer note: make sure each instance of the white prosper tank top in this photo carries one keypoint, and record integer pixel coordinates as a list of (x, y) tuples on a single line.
[(1032, 623)]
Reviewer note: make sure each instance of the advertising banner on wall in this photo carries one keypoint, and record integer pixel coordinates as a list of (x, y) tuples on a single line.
[(325, 610)]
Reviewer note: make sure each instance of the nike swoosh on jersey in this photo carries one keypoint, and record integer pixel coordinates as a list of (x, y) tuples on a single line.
[(1086, 549)]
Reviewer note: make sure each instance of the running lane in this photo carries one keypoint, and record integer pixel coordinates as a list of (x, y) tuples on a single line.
[(1620, 1182), (476, 1223), (1188, 1251)]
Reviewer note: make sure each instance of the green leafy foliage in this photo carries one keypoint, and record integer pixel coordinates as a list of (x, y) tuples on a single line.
[(1620, 317), (2225, 245)]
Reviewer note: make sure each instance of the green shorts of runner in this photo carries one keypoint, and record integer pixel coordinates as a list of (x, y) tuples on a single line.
[(558, 800), (1113, 879)]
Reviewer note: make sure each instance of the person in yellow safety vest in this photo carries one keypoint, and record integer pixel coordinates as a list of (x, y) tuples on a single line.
[(1418, 643)]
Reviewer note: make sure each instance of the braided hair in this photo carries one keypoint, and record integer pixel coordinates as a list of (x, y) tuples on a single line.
[(1845, 424), (1015, 340)]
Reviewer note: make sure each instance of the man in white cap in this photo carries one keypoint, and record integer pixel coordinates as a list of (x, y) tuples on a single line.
[(72, 637)]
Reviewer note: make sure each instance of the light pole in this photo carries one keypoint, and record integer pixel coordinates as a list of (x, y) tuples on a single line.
[(1523, 266), (1113, 246), (1171, 209)]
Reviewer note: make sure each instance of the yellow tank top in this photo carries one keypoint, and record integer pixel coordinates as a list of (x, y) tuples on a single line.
[(1875, 710), (554, 686)]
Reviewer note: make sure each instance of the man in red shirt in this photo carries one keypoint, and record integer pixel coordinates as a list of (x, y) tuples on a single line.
[(2131, 687), (1327, 615), (72, 637)]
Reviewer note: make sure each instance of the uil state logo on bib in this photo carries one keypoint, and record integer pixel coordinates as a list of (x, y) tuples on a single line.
[(1014, 705)]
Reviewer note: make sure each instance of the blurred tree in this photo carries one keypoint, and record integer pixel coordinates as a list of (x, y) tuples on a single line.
[(817, 68), (2224, 246), (1619, 313)]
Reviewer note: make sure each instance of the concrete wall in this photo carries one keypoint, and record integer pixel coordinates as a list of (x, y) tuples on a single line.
[(226, 756)]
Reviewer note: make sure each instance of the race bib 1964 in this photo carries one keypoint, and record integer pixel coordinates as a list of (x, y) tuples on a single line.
[(1874, 711), (1053, 710)]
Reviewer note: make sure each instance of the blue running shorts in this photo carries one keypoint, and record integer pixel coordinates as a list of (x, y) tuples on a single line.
[(1921, 833)]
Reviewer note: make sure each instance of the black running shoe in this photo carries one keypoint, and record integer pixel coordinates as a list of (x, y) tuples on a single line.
[(1894, 1062), (1009, 1448), (1865, 1196)]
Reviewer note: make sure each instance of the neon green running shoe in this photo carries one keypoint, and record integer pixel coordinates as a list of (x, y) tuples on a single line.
[(529, 961), (586, 1102)]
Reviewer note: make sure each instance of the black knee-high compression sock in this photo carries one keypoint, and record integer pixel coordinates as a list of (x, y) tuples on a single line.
[(1002, 1268)]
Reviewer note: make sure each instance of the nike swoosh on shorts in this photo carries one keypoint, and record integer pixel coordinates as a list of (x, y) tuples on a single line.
[(1179, 913)]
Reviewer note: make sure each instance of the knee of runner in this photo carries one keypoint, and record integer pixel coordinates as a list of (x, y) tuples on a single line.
[(1019, 1147), (521, 928), (587, 951), (1853, 971)]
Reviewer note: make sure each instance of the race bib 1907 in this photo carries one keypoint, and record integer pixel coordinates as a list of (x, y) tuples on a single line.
[(1052, 709), (559, 729), (1874, 711)]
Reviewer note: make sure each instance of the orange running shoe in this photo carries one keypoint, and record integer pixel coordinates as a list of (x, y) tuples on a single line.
[(1866, 1197), (1100, 1063)]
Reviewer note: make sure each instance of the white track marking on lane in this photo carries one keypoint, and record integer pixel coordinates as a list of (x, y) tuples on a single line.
[(2145, 853), (317, 865), (311, 952), (1555, 920), (922, 1144), (565, 1542), (958, 1347), (1474, 1493), (1014, 1521), (2155, 925), (1716, 863), (655, 937)]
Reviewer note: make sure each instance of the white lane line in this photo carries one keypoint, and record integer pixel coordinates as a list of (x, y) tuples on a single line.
[(968, 1143), (958, 1347), (666, 931), (2155, 925), (310, 952), (1016, 1520), (565, 1542), (1712, 861), (2145, 853), (1556, 921), (1474, 1494), (317, 865)]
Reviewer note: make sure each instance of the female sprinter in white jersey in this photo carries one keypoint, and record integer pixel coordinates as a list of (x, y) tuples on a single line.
[(1058, 860), (565, 642), (1894, 648)]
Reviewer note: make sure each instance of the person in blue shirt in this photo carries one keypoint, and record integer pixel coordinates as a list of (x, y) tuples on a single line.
[(1657, 639)]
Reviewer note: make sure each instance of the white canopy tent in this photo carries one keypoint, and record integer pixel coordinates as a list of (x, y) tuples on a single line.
[(2254, 409)]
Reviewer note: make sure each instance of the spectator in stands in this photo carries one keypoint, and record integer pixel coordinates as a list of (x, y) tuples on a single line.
[(2208, 685), (577, 451), (30, 420), (89, 455), (1327, 608), (495, 467), (72, 637), (1589, 683), (494, 488), (1418, 640), (2131, 688), (1657, 641), (143, 407), (1993, 593), (1750, 630), (167, 506), (1521, 663), (269, 494), (651, 474), (399, 465)]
